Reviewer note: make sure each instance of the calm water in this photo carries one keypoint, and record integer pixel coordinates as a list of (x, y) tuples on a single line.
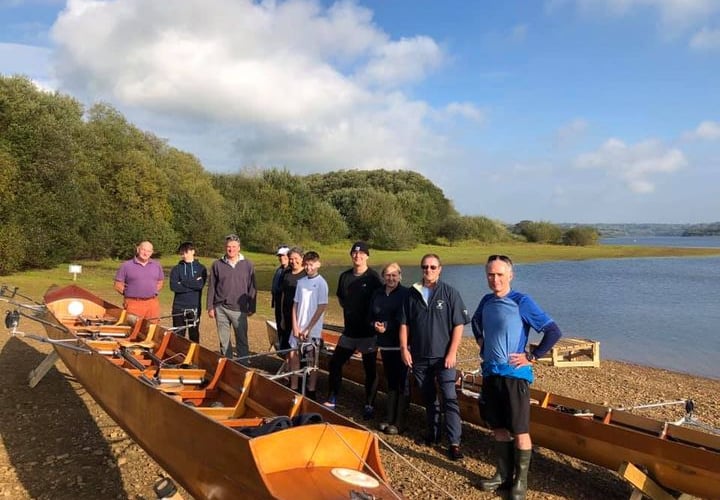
[(657, 312), (665, 241), (660, 312)]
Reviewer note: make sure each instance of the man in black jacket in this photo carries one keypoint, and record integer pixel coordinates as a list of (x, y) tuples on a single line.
[(354, 291), (187, 280), (431, 327)]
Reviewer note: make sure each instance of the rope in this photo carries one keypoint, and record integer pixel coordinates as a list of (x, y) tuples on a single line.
[(449, 495), (362, 461), (415, 468)]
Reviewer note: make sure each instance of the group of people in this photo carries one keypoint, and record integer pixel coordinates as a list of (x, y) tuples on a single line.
[(231, 295), (416, 329)]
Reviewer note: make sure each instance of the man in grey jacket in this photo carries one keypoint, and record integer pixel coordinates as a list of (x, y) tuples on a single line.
[(232, 297)]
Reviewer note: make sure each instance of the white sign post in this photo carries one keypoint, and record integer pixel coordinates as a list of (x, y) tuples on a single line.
[(75, 269)]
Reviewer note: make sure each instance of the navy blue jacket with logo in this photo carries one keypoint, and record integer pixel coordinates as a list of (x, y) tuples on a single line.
[(430, 324)]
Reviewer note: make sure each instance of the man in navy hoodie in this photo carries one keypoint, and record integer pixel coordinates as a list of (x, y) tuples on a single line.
[(187, 280)]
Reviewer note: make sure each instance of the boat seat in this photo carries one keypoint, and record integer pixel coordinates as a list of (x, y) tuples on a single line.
[(237, 411), (172, 377)]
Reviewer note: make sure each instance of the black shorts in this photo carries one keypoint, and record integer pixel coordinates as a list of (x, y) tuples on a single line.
[(505, 404)]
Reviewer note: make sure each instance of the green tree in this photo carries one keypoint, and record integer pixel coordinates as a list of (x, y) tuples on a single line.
[(421, 204), (198, 209), (141, 190)]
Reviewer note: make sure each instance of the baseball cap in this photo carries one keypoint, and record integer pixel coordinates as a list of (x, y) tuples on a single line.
[(360, 246), (282, 250)]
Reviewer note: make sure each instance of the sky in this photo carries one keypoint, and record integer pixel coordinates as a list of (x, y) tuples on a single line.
[(556, 110)]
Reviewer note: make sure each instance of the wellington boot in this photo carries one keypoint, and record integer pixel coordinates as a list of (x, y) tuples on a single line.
[(503, 478), (522, 465), (401, 409), (390, 410)]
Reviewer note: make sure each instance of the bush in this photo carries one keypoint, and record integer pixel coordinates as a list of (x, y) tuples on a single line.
[(581, 236), (12, 248), (539, 232), (458, 228)]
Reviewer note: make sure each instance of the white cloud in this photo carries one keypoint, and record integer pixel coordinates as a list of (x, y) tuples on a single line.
[(570, 131), (465, 110), (707, 130), (706, 39), (291, 83), (674, 14), (407, 60), (636, 165)]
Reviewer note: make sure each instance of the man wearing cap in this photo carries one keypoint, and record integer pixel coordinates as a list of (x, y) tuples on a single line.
[(354, 292), (139, 280), (276, 287), (187, 280), (232, 297)]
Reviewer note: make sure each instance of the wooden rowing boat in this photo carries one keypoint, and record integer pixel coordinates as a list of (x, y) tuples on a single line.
[(678, 458), (201, 416)]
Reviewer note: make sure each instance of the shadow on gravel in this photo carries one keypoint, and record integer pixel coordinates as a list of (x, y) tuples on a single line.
[(52, 442)]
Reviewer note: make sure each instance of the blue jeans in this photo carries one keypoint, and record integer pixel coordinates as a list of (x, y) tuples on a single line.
[(428, 371), (224, 318)]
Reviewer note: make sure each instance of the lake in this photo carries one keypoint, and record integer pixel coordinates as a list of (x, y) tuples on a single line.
[(659, 312), (665, 241)]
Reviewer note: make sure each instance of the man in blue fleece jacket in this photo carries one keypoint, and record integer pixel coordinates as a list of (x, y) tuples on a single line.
[(501, 325)]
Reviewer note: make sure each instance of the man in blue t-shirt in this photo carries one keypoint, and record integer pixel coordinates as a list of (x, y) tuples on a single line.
[(501, 325)]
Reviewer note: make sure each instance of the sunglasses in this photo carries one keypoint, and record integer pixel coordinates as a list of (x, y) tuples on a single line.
[(425, 267), (503, 258)]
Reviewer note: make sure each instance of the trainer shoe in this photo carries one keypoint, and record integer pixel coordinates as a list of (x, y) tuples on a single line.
[(330, 403), (368, 412), (454, 453)]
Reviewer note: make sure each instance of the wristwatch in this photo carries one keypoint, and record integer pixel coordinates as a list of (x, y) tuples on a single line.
[(530, 357)]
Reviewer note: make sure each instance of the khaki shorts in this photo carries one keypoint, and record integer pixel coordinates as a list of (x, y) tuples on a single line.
[(362, 345)]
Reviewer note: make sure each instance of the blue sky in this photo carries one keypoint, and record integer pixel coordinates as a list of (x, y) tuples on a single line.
[(561, 110)]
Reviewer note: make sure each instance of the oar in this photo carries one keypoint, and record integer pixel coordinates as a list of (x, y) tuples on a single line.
[(12, 321)]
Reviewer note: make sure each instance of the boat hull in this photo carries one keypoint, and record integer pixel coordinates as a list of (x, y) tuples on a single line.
[(200, 446), (677, 458)]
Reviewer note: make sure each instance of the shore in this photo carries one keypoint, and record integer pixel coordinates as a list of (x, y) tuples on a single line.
[(58, 443)]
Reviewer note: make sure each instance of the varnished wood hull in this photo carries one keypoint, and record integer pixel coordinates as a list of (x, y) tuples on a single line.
[(678, 458), (197, 445)]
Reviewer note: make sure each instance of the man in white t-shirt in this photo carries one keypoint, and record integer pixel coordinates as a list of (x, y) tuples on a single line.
[(311, 300)]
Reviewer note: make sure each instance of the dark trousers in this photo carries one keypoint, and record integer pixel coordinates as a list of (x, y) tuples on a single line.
[(341, 356), (193, 332), (395, 370), (428, 372)]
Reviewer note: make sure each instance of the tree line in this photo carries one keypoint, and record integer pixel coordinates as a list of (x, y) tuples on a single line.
[(82, 183)]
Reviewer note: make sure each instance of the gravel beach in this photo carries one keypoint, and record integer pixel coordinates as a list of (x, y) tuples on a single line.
[(57, 443)]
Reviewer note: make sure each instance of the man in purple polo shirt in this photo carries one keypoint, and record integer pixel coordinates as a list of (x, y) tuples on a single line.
[(139, 280)]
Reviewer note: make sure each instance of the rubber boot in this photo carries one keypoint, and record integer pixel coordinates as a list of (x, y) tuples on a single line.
[(391, 409), (522, 465), (401, 411), (503, 478)]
